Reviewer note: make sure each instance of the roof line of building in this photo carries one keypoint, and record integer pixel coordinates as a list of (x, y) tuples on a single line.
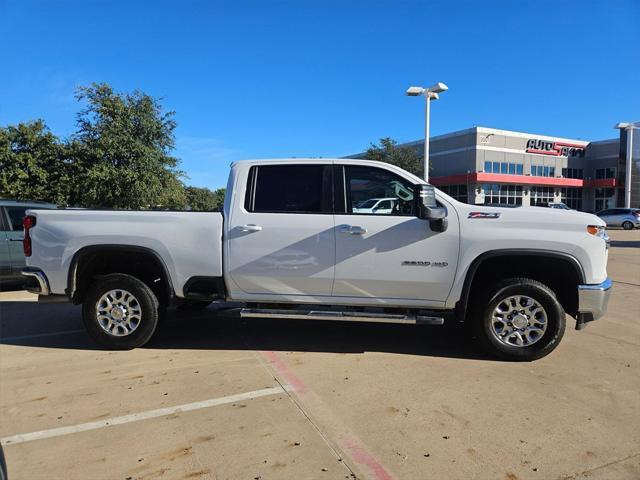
[(609, 140), (496, 131)]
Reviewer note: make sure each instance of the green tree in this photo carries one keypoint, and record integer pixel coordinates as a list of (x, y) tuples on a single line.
[(122, 150), (404, 157), (203, 199), (34, 164)]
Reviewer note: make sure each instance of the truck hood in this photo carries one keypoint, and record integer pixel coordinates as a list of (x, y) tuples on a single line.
[(536, 217)]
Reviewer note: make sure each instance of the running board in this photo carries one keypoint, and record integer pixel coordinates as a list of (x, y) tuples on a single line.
[(342, 316)]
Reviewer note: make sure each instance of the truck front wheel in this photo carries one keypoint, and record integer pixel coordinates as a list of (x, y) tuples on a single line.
[(520, 319), (120, 312)]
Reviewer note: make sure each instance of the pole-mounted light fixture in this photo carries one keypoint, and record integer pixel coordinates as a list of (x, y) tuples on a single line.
[(430, 93)]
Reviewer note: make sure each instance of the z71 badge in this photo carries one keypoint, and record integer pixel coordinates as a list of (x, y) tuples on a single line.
[(484, 215)]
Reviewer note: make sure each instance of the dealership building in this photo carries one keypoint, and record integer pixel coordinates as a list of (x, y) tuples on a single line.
[(489, 166)]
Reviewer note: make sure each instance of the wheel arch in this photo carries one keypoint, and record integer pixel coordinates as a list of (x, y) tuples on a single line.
[(146, 259), (484, 260)]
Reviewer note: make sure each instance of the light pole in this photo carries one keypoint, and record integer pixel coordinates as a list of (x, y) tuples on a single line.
[(629, 128), (429, 94)]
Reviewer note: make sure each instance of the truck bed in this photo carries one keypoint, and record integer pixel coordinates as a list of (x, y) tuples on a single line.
[(188, 243)]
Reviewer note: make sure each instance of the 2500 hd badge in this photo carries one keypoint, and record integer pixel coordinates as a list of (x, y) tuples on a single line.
[(419, 263)]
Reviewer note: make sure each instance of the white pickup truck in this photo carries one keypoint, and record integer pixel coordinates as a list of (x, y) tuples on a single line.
[(290, 243)]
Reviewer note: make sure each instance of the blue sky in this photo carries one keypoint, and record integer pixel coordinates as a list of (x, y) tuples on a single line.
[(260, 79)]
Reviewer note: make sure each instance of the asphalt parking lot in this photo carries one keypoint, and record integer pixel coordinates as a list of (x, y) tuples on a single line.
[(217, 397)]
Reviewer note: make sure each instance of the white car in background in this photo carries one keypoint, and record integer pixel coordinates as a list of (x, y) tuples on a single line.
[(627, 218), (376, 205)]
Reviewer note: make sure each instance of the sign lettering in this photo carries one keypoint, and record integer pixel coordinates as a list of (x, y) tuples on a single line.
[(556, 149)]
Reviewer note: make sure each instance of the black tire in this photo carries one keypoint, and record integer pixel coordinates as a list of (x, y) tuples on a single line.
[(537, 291), (146, 299), (627, 225), (193, 305)]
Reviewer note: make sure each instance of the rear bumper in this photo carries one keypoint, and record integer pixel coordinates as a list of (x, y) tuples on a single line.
[(42, 284), (593, 301)]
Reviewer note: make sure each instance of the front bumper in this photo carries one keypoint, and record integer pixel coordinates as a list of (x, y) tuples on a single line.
[(592, 302)]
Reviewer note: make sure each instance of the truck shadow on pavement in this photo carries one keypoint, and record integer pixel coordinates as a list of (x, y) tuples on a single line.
[(60, 326), (625, 243)]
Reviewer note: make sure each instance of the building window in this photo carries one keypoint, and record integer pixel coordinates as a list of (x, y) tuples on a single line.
[(605, 198), (609, 172), (541, 196), (504, 168), (572, 173), (495, 194), (542, 171), (572, 197), (459, 192)]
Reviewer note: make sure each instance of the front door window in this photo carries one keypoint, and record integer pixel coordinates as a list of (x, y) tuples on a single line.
[(373, 191)]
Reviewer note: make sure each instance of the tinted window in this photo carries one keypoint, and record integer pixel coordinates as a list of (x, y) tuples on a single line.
[(366, 183), (290, 189), (16, 214)]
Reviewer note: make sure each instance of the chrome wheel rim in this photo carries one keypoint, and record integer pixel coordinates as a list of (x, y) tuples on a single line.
[(519, 321), (118, 313)]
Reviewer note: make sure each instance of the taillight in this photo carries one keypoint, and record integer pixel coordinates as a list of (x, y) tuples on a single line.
[(27, 222)]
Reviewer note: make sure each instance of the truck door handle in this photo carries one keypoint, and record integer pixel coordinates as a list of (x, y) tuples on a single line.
[(15, 239), (353, 230), (249, 228)]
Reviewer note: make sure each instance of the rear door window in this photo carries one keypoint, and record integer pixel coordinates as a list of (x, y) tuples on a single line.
[(290, 189), (3, 220), (16, 214)]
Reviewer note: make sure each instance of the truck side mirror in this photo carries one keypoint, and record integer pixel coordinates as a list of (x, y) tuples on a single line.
[(427, 208)]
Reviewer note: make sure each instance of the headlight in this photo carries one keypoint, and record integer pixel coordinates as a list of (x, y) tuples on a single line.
[(597, 230), (600, 232)]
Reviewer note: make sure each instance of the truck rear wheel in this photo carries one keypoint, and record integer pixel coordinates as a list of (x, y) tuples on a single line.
[(120, 312), (520, 319)]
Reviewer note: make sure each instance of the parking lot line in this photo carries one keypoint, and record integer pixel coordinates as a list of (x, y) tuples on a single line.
[(343, 438), (135, 417)]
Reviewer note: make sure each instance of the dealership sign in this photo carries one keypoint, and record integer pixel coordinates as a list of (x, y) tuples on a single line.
[(557, 149)]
